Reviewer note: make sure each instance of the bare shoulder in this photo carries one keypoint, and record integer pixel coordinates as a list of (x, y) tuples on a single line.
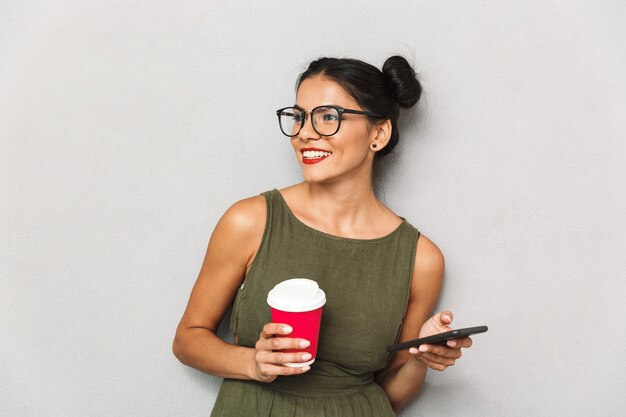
[(231, 248), (428, 266), (427, 255), (246, 215), (240, 230)]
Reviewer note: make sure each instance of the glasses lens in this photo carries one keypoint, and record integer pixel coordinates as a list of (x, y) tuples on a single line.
[(290, 120), (326, 120)]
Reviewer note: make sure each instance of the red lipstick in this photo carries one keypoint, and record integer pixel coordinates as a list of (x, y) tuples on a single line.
[(314, 155)]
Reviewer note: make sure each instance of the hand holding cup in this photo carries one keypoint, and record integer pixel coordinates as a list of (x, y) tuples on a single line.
[(270, 361), (296, 307)]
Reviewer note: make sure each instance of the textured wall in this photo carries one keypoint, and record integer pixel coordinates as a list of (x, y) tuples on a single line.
[(127, 128)]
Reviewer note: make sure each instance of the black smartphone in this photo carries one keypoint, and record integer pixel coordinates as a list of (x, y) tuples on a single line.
[(440, 338)]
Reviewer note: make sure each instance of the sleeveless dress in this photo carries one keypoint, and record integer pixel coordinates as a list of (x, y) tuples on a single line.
[(367, 283)]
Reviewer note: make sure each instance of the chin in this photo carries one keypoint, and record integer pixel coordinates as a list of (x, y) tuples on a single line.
[(327, 175), (315, 179), (316, 176)]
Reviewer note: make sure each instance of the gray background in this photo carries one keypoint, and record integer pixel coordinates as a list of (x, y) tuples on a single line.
[(127, 128)]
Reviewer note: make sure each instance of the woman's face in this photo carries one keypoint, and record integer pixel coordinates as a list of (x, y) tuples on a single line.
[(345, 154)]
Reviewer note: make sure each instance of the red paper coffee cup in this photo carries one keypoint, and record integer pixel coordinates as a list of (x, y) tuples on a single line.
[(298, 302)]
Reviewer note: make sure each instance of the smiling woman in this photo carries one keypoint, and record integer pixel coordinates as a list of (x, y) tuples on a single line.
[(349, 135), (381, 277)]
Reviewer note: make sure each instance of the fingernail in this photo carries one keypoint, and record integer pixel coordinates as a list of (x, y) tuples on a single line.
[(306, 356), (423, 348), (287, 329), (447, 318), (413, 351), (305, 368), (304, 343), (451, 343)]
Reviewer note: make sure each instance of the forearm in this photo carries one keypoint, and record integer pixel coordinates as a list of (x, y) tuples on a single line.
[(205, 351), (402, 385)]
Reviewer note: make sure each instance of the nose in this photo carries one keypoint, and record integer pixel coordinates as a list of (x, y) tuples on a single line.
[(307, 132)]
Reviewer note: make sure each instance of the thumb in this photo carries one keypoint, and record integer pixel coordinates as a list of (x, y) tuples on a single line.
[(445, 317)]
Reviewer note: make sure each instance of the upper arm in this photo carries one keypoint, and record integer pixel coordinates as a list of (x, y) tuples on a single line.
[(426, 283), (230, 252)]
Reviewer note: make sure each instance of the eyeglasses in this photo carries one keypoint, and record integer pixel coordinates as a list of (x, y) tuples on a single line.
[(326, 120)]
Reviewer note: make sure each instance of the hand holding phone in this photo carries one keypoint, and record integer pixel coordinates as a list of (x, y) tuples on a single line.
[(440, 338)]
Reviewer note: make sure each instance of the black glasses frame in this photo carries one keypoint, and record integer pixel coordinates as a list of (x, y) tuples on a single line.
[(340, 112)]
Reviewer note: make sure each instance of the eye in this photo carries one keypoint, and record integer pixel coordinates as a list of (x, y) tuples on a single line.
[(327, 115)]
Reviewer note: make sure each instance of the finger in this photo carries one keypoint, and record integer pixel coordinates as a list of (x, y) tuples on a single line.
[(444, 354), (279, 358), (446, 317), (436, 359), (442, 351), (427, 360), (272, 329), (436, 366), (280, 343), (468, 342), (269, 369), (464, 342)]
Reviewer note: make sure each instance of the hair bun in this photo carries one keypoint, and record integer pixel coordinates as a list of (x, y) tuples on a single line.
[(403, 83)]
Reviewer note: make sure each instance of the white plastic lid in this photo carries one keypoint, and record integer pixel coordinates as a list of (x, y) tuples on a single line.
[(296, 295)]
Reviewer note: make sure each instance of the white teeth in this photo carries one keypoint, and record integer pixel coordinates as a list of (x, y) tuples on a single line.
[(315, 154)]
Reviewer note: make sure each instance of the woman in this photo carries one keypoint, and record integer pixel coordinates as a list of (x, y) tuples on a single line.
[(382, 278)]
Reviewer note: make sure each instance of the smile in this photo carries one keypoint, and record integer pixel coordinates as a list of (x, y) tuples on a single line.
[(313, 156)]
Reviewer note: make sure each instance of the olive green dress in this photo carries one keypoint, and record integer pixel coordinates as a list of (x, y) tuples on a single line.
[(367, 283)]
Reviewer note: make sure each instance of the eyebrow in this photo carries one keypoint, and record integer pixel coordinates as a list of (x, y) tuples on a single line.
[(321, 105)]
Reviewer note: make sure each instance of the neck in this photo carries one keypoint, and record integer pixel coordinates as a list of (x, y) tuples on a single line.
[(344, 206)]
